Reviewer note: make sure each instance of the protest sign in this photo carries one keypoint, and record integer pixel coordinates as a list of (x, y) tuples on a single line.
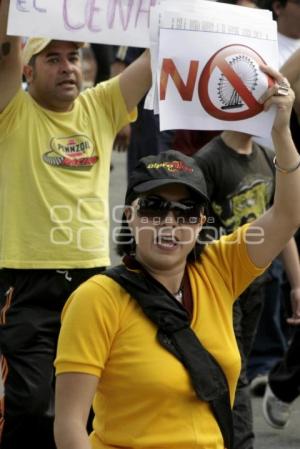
[(205, 55), (117, 22), (208, 74)]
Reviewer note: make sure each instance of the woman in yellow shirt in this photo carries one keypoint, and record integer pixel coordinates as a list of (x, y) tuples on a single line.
[(137, 358)]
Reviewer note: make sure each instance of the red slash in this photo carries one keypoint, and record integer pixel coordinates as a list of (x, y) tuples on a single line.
[(219, 60)]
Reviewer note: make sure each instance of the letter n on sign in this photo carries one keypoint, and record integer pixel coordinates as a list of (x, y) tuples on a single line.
[(185, 90)]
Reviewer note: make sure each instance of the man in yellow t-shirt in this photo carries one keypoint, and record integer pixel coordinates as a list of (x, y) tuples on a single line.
[(55, 147)]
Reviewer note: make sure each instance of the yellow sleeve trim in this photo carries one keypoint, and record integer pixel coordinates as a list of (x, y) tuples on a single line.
[(63, 368)]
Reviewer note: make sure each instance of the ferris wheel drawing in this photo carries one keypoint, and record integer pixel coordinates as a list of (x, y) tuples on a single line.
[(247, 71)]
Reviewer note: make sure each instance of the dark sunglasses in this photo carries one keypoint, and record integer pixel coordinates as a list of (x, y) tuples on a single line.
[(155, 207)]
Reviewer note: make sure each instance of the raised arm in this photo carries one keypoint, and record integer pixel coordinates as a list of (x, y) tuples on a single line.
[(267, 236), (135, 80), (123, 137), (10, 60)]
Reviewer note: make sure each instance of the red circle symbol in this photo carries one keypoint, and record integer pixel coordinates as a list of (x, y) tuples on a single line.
[(218, 60)]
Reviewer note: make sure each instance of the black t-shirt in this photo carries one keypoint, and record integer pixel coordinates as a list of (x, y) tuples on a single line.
[(240, 186)]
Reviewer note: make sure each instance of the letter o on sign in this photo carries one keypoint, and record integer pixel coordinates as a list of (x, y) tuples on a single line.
[(233, 91)]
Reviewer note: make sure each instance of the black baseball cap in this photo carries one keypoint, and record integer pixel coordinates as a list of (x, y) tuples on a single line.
[(167, 167)]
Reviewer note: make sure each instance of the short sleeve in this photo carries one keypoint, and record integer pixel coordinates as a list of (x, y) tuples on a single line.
[(12, 115), (90, 321), (108, 94), (229, 257)]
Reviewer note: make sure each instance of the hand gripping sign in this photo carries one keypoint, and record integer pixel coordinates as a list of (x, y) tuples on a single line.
[(231, 83)]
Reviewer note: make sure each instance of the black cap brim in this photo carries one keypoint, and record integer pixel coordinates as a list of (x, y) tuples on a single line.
[(154, 183)]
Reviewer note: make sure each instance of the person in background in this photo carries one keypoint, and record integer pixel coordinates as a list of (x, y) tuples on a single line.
[(272, 333), (287, 15), (55, 146), (291, 69), (283, 386), (104, 56), (130, 339), (284, 378), (89, 67)]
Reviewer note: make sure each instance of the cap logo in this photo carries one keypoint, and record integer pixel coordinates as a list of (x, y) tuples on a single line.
[(171, 166)]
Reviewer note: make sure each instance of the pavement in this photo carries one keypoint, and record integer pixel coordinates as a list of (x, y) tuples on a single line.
[(266, 436)]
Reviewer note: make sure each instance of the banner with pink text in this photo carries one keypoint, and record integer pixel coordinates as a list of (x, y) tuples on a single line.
[(116, 22)]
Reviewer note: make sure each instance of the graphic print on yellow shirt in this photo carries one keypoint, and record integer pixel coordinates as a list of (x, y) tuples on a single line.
[(73, 152)]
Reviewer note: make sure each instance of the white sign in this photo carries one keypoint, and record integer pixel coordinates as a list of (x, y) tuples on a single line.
[(208, 69), (201, 15), (216, 86), (117, 22)]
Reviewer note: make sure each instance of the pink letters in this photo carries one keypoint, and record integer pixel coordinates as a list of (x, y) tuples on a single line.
[(67, 22), (95, 15), (37, 8), (21, 6), (91, 11), (126, 11), (111, 12), (145, 10)]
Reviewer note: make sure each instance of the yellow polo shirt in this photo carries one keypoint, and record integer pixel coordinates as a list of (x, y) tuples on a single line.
[(144, 398)]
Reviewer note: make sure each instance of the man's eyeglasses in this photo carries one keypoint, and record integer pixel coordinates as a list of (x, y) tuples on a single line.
[(157, 208)]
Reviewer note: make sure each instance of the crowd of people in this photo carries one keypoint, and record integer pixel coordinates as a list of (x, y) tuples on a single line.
[(164, 350)]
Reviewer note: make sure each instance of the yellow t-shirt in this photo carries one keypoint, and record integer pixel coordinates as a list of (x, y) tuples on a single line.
[(54, 179), (144, 398)]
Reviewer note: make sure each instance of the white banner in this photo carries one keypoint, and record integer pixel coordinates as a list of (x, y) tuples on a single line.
[(208, 71), (116, 22), (215, 87)]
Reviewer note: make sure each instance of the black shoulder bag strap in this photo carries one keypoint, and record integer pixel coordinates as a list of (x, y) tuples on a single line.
[(176, 335)]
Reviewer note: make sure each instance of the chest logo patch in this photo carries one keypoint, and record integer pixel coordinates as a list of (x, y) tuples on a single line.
[(74, 152)]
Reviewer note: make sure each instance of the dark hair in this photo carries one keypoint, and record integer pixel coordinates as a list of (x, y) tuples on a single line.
[(230, 2), (268, 4)]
